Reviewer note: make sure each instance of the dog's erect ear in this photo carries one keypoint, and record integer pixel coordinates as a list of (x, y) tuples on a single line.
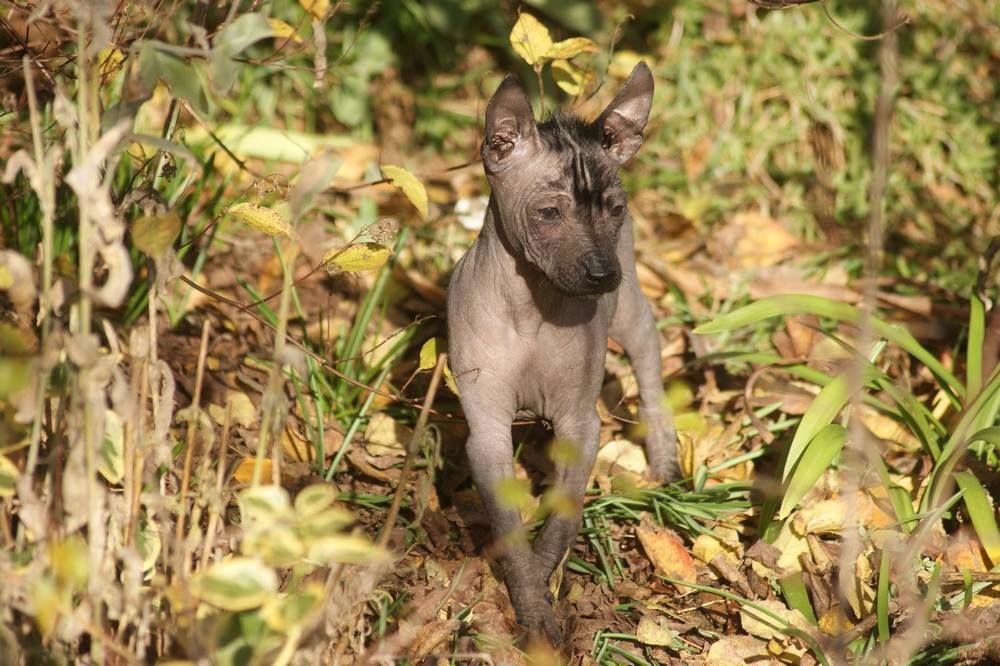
[(621, 124), (510, 126)]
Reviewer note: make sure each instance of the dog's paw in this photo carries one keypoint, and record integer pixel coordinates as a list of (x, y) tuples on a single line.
[(542, 629), (661, 450)]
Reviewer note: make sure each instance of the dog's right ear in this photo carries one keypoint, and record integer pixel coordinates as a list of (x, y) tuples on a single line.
[(510, 126)]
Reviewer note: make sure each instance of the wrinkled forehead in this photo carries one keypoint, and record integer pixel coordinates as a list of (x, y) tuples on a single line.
[(579, 163)]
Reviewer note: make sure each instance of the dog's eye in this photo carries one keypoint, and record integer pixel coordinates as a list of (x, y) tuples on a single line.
[(548, 214)]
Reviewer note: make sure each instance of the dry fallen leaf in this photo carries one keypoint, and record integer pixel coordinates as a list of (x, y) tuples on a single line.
[(761, 625), (655, 631), (830, 516), (666, 551), (620, 456), (737, 651)]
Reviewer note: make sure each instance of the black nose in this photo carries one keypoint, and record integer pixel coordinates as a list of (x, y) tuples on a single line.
[(599, 268)]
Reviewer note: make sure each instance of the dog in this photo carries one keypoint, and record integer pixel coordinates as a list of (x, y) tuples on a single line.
[(530, 308)]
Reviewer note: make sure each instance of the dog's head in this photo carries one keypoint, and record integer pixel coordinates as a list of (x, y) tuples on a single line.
[(561, 202)]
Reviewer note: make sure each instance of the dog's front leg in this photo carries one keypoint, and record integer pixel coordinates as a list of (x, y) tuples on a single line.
[(490, 452), (578, 435), (634, 328)]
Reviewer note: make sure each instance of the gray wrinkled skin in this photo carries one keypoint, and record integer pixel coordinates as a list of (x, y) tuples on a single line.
[(531, 305)]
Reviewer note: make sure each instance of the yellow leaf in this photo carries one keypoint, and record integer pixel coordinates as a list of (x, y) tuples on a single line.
[(261, 218), (110, 60), (570, 48), (530, 39), (834, 622), (449, 380), (568, 76), (155, 234), (318, 9), (244, 471), (283, 30), (8, 477), (410, 186), (356, 257), (429, 353)]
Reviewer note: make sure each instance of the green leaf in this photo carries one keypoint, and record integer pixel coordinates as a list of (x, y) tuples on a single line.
[(314, 499), (230, 42), (111, 460), (329, 521), (981, 512), (530, 39), (409, 185), (356, 257), (181, 76), (235, 584), (817, 456), (288, 612), (8, 477), (276, 544), (263, 504), (261, 218), (793, 304)]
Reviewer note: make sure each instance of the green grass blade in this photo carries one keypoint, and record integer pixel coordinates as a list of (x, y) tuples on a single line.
[(793, 588), (821, 413), (882, 598), (816, 457), (794, 304), (974, 348), (983, 410), (981, 511), (899, 497)]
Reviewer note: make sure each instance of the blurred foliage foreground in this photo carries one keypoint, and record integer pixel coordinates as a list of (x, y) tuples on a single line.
[(228, 432)]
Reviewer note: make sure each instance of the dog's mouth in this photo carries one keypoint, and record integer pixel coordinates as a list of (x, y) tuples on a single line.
[(588, 289)]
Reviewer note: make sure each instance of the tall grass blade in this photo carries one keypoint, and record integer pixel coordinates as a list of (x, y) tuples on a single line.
[(821, 413), (982, 513), (795, 304), (974, 347), (816, 457)]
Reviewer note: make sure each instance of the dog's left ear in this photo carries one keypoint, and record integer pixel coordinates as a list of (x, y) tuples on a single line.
[(621, 124)]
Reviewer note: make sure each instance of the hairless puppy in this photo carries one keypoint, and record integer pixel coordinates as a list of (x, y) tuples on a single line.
[(530, 308)]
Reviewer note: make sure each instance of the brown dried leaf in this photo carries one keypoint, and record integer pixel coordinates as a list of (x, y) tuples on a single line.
[(666, 551)]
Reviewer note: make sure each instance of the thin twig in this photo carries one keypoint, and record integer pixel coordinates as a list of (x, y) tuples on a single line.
[(411, 450), (193, 425)]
